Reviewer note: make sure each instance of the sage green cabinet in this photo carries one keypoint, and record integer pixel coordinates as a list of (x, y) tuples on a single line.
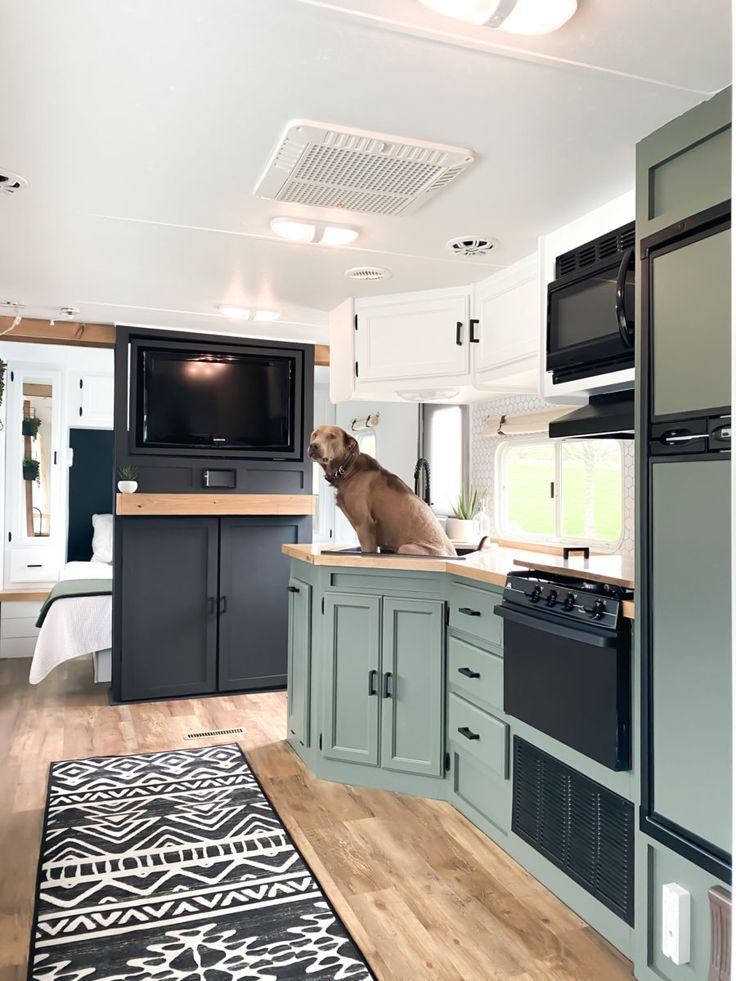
[(299, 660), (384, 682), (352, 666), (412, 665)]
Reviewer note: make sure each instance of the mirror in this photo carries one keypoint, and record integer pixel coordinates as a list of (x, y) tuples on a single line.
[(36, 434)]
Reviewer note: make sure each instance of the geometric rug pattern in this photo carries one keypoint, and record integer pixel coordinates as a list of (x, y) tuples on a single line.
[(175, 867)]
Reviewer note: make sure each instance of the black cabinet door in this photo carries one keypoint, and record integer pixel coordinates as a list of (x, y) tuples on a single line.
[(254, 608), (168, 626)]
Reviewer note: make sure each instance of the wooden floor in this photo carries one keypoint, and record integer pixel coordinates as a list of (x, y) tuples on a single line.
[(426, 896)]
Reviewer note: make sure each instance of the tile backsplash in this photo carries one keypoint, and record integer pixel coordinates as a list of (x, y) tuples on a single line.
[(483, 454)]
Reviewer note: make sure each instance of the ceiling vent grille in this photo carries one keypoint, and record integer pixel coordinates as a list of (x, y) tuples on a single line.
[(612, 244), (470, 245), (11, 183), (368, 274), (334, 167)]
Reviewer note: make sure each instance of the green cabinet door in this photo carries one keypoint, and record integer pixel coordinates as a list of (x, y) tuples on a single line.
[(411, 685), (352, 664), (299, 659), (691, 646)]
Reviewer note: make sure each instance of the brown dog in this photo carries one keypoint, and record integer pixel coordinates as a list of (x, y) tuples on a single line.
[(385, 513)]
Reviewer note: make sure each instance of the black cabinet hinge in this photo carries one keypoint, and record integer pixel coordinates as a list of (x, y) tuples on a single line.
[(320, 740), (447, 761), (356, 369), (355, 321)]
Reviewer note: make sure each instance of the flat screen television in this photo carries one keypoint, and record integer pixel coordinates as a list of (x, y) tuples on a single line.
[(242, 402)]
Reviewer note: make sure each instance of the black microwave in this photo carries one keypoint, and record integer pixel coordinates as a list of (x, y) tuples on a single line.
[(590, 308)]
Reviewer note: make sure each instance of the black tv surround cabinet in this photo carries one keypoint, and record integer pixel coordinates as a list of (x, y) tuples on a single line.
[(215, 427)]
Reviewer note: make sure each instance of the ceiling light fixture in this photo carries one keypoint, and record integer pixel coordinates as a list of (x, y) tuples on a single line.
[(512, 16), (266, 315), (233, 311), (313, 232)]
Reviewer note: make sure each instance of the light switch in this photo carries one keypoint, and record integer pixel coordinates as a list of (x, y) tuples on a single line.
[(676, 923)]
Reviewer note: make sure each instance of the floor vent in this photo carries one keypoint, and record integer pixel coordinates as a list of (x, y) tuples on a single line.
[(325, 166), (584, 829), (237, 731)]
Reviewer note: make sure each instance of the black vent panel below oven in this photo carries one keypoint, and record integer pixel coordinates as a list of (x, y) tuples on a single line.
[(614, 243), (586, 830)]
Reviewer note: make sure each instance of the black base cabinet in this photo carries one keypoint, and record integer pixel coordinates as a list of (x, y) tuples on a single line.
[(201, 605)]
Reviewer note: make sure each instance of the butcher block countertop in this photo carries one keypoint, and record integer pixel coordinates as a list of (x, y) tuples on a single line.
[(490, 566), (129, 505)]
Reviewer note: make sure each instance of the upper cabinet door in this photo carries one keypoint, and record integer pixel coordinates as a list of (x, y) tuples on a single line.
[(94, 408), (413, 337), (507, 309)]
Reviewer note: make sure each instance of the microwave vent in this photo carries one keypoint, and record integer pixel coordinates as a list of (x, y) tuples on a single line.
[(325, 166), (612, 244)]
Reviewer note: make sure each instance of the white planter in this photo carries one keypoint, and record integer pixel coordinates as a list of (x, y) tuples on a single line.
[(459, 530), (127, 486)]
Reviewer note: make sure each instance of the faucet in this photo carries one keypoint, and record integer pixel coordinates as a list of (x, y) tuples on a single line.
[(422, 470), (39, 533)]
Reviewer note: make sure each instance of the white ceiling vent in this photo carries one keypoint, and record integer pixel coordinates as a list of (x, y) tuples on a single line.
[(471, 245), (368, 274), (11, 183), (327, 166)]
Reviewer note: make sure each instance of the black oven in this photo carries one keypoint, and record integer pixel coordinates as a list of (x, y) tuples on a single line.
[(590, 308)]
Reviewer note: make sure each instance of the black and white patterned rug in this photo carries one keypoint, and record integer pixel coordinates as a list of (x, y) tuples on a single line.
[(175, 867)]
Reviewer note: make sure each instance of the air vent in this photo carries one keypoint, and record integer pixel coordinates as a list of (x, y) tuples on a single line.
[(326, 166), (11, 183), (584, 829), (237, 731), (612, 244), (468, 245), (368, 274)]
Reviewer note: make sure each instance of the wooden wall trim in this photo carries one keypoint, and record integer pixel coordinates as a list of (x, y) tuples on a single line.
[(131, 505)]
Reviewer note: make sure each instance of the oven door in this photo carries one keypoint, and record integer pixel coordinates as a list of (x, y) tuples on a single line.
[(590, 325), (572, 682)]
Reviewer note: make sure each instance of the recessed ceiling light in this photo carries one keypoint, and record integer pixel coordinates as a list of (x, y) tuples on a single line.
[(234, 311), (513, 16), (467, 245), (265, 315), (313, 232)]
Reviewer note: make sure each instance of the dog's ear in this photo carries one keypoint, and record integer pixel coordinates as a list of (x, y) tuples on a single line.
[(351, 444)]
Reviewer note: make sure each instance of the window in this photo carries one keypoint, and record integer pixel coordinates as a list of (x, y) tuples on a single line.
[(569, 491), (445, 446)]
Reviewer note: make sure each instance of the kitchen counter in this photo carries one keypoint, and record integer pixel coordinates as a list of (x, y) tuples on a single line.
[(490, 566)]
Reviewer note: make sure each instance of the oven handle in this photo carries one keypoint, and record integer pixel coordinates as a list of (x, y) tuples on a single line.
[(625, 326), (582, 634)]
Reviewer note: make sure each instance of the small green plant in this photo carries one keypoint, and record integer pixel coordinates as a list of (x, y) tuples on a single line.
[(31, 469), (128, 473), (467, 505), (31, 425)]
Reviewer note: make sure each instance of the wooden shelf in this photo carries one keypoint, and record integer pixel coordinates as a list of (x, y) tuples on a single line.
[(23, 595), (130, 505)]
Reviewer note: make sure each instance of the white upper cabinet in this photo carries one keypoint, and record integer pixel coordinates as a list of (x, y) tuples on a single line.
[(342, 352), (507, 310), (93, 396), (413, 338)]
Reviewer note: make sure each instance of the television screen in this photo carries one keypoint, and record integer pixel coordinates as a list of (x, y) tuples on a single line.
[(227, 401)]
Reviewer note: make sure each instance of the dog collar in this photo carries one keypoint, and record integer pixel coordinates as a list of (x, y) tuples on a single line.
[(341, 470)]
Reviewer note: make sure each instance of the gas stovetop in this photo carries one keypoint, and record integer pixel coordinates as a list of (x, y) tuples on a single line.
[(566, 598)]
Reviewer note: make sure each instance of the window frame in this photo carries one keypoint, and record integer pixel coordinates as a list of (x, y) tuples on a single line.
[(557, 539)]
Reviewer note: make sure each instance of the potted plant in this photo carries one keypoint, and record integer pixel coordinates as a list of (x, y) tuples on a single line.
[(31, 425), (30, 469), (128, 482), (461, 526)]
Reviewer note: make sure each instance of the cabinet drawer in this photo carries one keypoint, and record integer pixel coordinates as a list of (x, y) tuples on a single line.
[(18, 627), (482, 791), (471, 610), (478, 734), (20, 610), (476, 674), (34, 565), (17, 646)]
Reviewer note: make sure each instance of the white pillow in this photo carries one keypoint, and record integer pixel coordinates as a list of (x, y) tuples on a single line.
[(102, 538)]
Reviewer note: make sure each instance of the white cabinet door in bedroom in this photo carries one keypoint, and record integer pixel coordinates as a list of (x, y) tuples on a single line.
[(93, 402)]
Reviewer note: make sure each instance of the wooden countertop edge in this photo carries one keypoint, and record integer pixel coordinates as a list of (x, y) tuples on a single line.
[(135, 505), (23, 596)]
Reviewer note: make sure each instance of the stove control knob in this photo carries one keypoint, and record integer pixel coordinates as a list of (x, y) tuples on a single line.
[(569, 604), (552, 598), (536, 594), (597, 609)]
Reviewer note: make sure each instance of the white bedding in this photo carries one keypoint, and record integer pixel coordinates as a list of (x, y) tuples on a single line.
[(74, 626)]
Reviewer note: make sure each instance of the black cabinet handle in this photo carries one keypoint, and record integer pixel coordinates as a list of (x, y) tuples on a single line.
[(459, 333), (468, 733), (293, 589), (468, 612), (474, 339), (223, 604), (210, 604), (372, 678), (468, 672), (583, 550), (34, 565), (386, 685)]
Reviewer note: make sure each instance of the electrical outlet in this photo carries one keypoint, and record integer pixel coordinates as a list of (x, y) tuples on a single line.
[(676, 923)]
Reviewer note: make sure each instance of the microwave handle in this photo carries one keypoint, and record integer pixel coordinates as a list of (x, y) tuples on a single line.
[(625, 326)]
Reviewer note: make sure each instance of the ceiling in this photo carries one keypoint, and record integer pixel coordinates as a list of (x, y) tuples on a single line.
[(144, 127)]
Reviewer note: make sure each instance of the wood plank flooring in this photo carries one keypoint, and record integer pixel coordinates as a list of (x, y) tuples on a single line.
[(426, 896)]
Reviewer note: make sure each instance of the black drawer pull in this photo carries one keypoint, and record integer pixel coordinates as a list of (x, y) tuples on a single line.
[(468, 612), (468, 672), (35, 565), (293, 589), (386, 685), (372, 678), (223, 604), (468, 733)]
